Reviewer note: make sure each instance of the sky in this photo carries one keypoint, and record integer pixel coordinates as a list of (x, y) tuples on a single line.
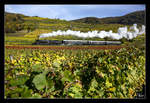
[(71, 12)]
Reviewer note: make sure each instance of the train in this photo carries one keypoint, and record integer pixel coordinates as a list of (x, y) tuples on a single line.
[(75, 42)]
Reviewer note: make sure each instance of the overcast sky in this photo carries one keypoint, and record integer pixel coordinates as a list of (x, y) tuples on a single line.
[(70, 12)]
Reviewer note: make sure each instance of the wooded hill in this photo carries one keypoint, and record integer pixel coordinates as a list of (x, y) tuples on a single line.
[(128, 19)]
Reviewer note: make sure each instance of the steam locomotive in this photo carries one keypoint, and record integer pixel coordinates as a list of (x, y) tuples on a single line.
[(75, 42)]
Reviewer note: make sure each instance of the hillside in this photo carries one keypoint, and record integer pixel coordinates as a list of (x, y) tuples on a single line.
[(17, 22), (128, 19)]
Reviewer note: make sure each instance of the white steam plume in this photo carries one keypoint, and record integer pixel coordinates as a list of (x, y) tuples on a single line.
[(122, 32)]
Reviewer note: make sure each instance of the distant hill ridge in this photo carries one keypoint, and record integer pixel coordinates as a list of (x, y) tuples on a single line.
[(128, 19), (16, 22)]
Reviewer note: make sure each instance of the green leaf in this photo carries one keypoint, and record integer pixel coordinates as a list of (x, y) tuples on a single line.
[(36, 95), (108, 84), (100, 60), (56, 64), (51, 89), (14, 95), (26, 92), (50, 83), (93, 87), (67, 76), (37, 68), (100, 92), (78, 95), (77, 72), (40, 81), (71, 94), (45, 71), (19, 80), (75, 91), (130, 79), (94, 83), (133, 72)]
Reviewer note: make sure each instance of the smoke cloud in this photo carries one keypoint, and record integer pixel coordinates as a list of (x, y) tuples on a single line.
[(122, 32)]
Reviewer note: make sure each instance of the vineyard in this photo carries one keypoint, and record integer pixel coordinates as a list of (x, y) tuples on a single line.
[(35, 73), (71, 71)]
